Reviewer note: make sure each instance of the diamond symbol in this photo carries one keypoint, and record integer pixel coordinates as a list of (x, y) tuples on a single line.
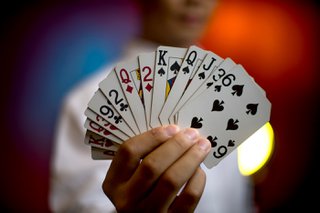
[(148, 87), (129, 88)]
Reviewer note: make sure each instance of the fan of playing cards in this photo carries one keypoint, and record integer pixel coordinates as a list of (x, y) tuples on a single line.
[(189, 87)]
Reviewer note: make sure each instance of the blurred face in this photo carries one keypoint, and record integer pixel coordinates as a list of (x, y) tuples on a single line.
[(175, 22)]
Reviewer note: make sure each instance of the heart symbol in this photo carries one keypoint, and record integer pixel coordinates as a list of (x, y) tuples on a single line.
[(217, 105), (232, 124), (201, 75), (237, 90), (175, 67), (185, 70), (196, 122), (252, 109), (212, 141), (231, 143)]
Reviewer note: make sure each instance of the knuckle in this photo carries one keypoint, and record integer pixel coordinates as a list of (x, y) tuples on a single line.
[(181, 142), (149, 167), (197, 154), (122, 205), (126, 149), (170, 181), (193, 194), (105, 187), (158, 133)]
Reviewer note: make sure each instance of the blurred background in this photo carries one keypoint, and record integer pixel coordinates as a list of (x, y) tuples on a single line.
[(47, 47)]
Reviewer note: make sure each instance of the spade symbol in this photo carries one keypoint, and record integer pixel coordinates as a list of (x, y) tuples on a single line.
[(175, 67), (161, 72), (252, 109), (231, 143), (237, 90), (201, 75), (209, 84), (212, 140), (196, 122), (185, 70), (232, 124), (217, 105), (217, 88)]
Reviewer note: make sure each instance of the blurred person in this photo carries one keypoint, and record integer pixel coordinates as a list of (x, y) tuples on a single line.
[(153, 185)]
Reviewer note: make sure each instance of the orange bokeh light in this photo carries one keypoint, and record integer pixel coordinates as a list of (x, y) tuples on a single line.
[(259, 35)]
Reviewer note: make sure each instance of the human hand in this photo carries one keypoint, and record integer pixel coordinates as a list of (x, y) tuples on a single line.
[(149, 170)]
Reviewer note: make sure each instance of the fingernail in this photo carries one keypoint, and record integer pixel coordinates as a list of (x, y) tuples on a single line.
[(204, 144), (191, 133), (171, 130)]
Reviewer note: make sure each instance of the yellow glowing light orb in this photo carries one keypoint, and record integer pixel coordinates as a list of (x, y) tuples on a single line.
[(256, 150)]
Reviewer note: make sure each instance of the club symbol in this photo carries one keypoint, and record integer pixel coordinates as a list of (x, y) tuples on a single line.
[(196, 122), (123, 107), (212, 140), (252, 109), (217, 105), (232, 124), (161, 72), (186, 70), (237, 90), (117, 119), (175, 67)]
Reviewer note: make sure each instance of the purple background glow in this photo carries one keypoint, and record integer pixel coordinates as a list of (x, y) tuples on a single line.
[(48, 47)]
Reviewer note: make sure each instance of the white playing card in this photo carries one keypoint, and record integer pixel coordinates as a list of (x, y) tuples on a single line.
[(105, 124), (191, 62), (99, 141), (101, 154), (96, 128), (111, 88), (128, 73), (209, 64), (227, 116), (168, 62), (146, 63), (103, 107), (216, 75)]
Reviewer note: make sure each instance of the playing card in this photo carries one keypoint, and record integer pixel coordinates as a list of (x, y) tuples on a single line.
[(147, 63), (168, 62), (128, 73), (96, 128), (190, 87), (106, 125), (223, 68), (191, 62), (99, 141), (111, 88), (103, 107), (227, 116), (209, 64), (101, 154)]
